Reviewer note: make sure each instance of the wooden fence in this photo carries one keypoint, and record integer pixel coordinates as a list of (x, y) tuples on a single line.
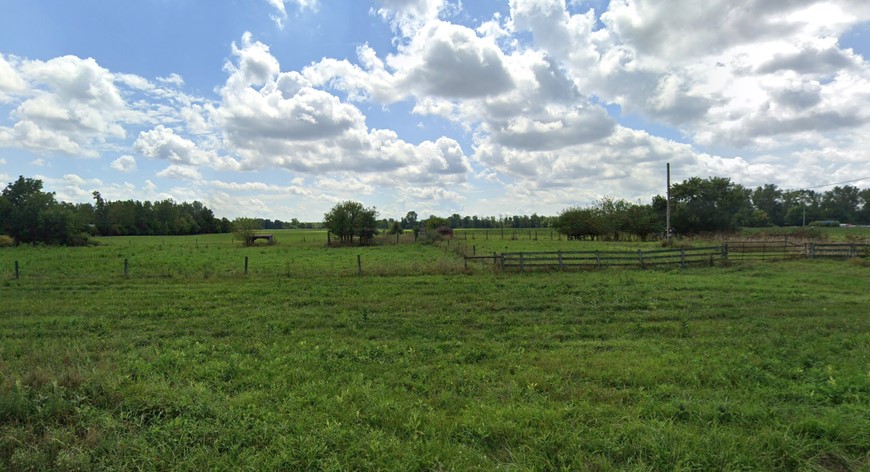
[(829, 251), (765, 249), (709, 255)]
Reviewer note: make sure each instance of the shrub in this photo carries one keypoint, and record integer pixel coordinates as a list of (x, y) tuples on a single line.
[(6, 241)]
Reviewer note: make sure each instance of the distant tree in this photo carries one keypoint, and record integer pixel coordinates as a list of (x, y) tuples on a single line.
[(801, 206), (245, 228), (410, 220), (225, 226), (863, 215), (434, 222), (769, 199), (841, 204), (712, 204), (29, 215), (395, 228), (641, 221), (611, 216), (351, 219), (578, 223)]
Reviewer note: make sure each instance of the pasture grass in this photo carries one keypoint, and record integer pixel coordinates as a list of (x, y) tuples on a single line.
[(760, 366)]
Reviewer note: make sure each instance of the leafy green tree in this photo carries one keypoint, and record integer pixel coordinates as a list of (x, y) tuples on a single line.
[(800, 206), (708, 205), (410, 220), (579, 223), (29, 215), (641, 221), (351, 219), (611, 216), (245, 228), (841, 204), (864, 212), (395, 228), (769, 199)]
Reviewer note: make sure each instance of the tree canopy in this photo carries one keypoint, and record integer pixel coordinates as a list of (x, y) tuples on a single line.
[(351, 219), (29, 215)]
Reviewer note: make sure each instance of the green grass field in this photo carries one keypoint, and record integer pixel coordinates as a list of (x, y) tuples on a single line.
[(188, 364)]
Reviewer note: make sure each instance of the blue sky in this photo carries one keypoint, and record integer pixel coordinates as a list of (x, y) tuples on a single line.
[(280, 109)]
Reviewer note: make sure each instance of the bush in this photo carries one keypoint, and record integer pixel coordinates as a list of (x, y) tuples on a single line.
[(6, 241)]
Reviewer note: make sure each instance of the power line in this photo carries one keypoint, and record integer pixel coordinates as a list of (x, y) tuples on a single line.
[(838, 183)]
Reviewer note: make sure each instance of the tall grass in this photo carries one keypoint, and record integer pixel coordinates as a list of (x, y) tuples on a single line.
[(754, 367)]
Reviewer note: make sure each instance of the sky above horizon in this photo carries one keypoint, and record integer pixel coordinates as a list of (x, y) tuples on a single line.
[(281, 108)]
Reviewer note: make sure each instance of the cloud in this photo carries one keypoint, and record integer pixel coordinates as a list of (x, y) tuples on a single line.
[(11, 82), (408, 16), (164, 143), (71, 105), (714, 84), (279, 119), (280, 15), (124, 164), (181, 172), (173, 79), (451, 61)]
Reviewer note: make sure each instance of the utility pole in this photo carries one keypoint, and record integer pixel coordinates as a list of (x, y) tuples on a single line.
[(668, 213)]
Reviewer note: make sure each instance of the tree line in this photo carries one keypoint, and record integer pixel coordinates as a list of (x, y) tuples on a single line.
[(28, 214), (716, 204)]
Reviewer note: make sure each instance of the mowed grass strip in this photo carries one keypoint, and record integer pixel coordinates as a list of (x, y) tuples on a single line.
[(755, 367)]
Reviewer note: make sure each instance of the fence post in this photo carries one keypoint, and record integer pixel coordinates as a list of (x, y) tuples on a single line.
[(246, 265), (725, 251), (473, 250), (358, 264), (811, 252), (126, 268), (597, 259), (852, 251), (561, 262), (682, 258), (522, 263), (16, 270), (465, 261), (640, 257)]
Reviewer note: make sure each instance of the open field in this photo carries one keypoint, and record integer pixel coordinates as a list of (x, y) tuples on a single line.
[(192, 365)]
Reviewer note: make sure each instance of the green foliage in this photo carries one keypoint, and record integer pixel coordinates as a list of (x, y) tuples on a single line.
[(825, 224), (6, 241), (395, 228), (244, 229), (351, 219), (164, 217), (578, 223), (29, 215), (714, 204)]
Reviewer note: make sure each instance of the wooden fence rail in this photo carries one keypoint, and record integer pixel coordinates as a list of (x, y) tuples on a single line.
[(560, 260), (765, 249), (741, 250), (815, 250)]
